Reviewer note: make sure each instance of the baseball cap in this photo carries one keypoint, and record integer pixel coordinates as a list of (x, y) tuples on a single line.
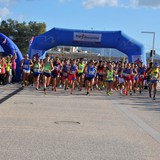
[(156, 64)]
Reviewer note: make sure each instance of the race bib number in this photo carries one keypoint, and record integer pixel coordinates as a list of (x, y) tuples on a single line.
[(72, 72), (80, 68), (141, 76), (64, 74), (154, 78), (26, 66), (91, 72), (109, 77), (126, 75), (47, 71), (36, 70)]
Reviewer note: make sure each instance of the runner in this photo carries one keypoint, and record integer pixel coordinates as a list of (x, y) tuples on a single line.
[(72, 70), (141, 77), (47, 68), (36, 72), (90, 73), (80, 73), (127, 78), (109, 79), (100, 74), (31, 77), (121, 77), (26, 68), (134, 72), (55, 74), (115, 81), (64, 71), (154, 72), (148, 70)]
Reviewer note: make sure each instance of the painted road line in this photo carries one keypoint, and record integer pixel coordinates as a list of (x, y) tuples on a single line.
[(10, 95), (152, 132), (1, 92)]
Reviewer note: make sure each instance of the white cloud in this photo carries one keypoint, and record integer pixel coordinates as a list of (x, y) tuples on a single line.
[(121, 3), (4, 12), (146, 3), (63, 1), (8, 2), (21, 18), (99, 3)]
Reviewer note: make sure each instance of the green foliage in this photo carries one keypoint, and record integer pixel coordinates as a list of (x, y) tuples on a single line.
[(21, 33)]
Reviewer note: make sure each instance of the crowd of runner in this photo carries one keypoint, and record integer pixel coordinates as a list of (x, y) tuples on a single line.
[(127, 78), (8, 69)]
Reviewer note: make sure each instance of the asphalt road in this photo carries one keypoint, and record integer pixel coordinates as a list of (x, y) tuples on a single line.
[(60, 126)]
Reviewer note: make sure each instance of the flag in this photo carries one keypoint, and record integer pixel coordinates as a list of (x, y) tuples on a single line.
[(31, 41), (4, 41)]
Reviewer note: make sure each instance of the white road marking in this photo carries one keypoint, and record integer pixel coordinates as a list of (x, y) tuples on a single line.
[(152, 132)]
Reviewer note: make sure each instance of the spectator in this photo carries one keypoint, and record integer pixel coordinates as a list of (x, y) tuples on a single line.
[(2, 70), (14, 64)]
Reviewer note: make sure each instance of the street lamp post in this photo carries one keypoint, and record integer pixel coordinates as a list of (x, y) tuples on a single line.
[(153, 33), (110, 54)]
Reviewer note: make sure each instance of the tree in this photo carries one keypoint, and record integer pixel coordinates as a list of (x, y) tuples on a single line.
[(21, 33)]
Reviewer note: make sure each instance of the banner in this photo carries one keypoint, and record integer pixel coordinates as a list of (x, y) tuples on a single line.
[(87, 37)]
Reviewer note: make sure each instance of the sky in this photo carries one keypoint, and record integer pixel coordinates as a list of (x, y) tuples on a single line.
[(130, 16)]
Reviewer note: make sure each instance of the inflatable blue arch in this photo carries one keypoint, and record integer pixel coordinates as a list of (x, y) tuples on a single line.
[(87, 38), (8, 47)]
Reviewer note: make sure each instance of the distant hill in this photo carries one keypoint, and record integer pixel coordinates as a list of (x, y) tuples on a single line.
[(114, 52), (156, 57), (104, 52)]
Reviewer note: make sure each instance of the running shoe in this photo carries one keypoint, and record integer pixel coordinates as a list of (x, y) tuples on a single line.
[(134, 91), (140, 91), (87, 93), (108, 93), (154, 98), (23, 85), (45, 91), (150, 95)]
